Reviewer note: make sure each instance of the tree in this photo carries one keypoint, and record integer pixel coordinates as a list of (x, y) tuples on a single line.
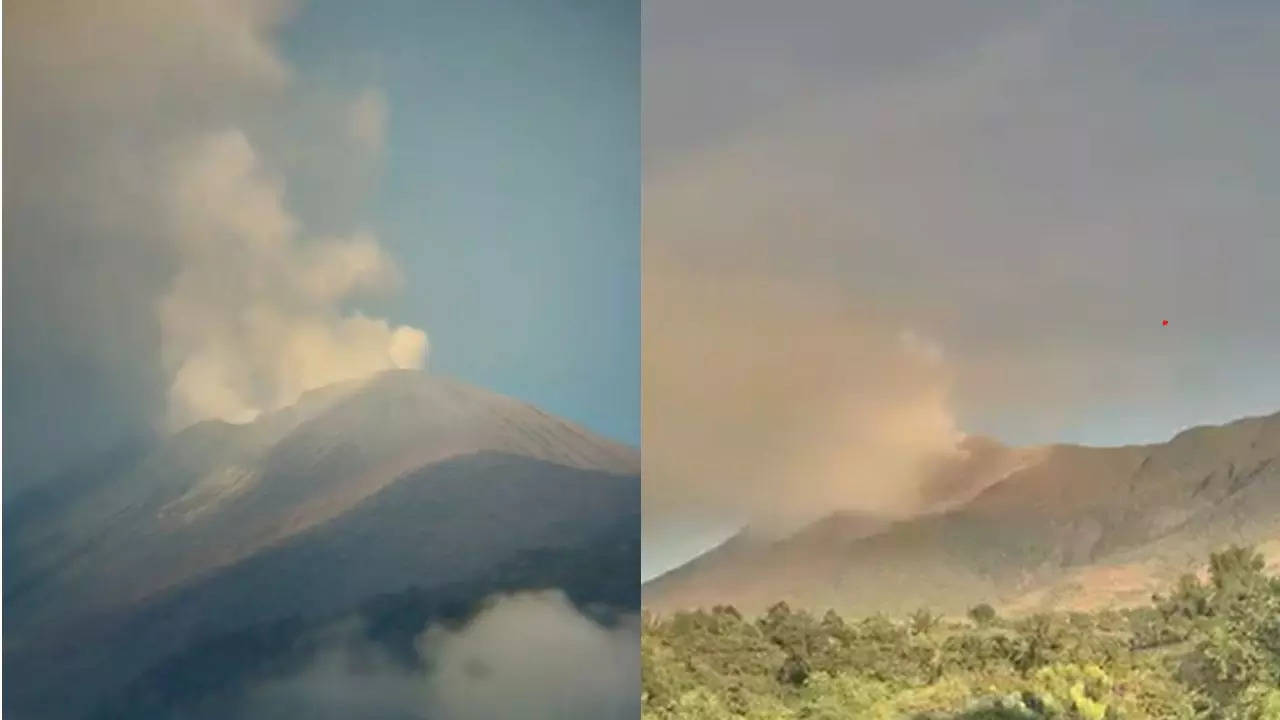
[(794, 671), (982, 615), (1208, 650), (923, 621), (1236, 568)]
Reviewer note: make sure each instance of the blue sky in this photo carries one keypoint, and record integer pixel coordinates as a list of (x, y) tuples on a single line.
[(510, 189)]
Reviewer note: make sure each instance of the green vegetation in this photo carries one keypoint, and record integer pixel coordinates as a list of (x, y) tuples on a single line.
[(1206, 650)]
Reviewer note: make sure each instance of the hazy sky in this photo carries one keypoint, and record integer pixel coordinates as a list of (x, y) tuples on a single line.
[(211, 207), (873, 226)]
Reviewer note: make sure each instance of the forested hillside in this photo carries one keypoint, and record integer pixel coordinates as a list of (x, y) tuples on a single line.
[(1205, 649)]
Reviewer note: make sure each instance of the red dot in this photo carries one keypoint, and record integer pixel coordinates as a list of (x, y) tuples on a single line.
[(1164, 322)]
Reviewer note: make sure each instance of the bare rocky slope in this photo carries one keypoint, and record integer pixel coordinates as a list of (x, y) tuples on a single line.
[(1079, 528)]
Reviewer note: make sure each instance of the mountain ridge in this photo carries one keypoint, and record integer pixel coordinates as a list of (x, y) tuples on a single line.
[(1055, 533)]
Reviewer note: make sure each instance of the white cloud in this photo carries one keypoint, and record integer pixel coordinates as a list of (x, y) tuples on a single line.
[(534, 656), (528, 655)]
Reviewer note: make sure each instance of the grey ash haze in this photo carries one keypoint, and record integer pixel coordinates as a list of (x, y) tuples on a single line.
[(871, 226)]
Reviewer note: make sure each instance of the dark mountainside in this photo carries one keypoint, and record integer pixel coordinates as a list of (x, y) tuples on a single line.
[(1081, 528), (196, 569)]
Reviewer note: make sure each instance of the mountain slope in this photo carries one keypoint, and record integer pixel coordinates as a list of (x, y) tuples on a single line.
[(359, 491), (1080, 527), (217, 492)]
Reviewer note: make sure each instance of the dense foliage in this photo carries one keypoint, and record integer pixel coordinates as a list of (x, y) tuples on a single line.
[(1206, 650)]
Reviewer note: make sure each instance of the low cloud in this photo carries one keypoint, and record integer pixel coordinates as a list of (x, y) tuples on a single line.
[(527, 655), (534, 656)]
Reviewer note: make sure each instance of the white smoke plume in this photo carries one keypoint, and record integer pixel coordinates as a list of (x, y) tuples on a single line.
[(254, 316), (158, 274), (773, 403)]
